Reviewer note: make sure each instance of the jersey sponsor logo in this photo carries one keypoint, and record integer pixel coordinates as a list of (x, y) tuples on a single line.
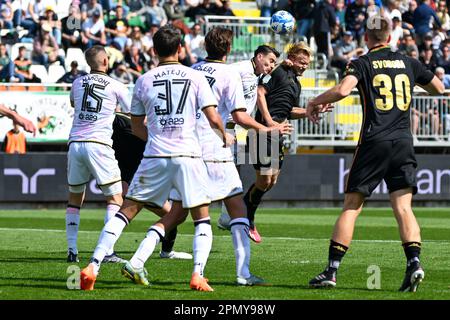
[(388, 64)]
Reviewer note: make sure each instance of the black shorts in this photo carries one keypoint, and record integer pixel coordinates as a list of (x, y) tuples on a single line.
[(266, 151), (128, 148), (392, 160)]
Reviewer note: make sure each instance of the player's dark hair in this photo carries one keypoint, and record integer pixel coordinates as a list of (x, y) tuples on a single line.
[(218, 42), (166, 41), (91, 55), (265, 50)]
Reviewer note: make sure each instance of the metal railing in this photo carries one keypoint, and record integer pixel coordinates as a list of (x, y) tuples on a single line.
[(430, 122)]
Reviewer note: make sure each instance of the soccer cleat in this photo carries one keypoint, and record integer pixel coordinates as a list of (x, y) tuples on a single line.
[(138, 276), (325, 279), (72, 257), (224, 222), (199, 283), (251, 281), (113, 258), (87, 278), (175, 255), (412, 279), (254, 234)]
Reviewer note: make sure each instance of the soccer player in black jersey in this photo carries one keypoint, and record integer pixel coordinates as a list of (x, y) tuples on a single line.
[(385, 81), (277, 101), (129, 150)]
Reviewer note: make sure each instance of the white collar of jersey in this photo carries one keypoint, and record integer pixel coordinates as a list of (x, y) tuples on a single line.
[(214, 60)]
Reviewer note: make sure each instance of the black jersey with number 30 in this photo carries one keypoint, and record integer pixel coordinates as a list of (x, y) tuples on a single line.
[(386, 82)]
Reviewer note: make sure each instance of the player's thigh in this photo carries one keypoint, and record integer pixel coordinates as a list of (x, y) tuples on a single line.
[(152, 182), (224, 180), (369, 166), (402, 169), (269, 152), (78, 172), (191, 181), (104, 167)]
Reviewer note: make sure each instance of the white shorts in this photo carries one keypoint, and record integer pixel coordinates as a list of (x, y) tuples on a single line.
[(89, 158), (156, 177), (224, 181)]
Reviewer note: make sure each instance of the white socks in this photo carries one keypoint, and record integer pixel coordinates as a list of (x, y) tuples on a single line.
[(202, 244), (111, 210), (72, 224), (110, 233), (241, 244), (147, 246)]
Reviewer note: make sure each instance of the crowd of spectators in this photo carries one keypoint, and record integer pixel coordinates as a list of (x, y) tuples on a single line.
[(124, 27)]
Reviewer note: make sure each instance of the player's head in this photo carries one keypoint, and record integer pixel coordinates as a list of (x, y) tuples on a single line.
[(218, 42), (97, 58), (378, 30), (167, 41), (265, 58), (300, 56)]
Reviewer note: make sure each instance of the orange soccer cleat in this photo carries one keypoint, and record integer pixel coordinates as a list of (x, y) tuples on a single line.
[(199, 283), (87, 278)]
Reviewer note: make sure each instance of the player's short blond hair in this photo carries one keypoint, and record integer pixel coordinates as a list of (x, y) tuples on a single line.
[(299, 48), (378, 28)]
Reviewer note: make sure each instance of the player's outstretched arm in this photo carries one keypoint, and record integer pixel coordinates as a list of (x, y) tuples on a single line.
[(138, 127), (338, 92), (21, 121), (247, 122), (435, 87), (215, 121)]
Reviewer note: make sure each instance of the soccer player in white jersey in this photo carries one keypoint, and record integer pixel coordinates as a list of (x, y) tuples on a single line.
[(224, 181), (94, 98), (169, 95), (262, 63)]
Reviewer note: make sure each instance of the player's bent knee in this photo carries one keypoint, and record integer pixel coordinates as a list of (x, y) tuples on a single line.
[(112, 189), (77, 189)]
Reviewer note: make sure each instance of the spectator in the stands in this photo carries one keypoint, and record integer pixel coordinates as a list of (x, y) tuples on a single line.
[(428, 59), (74, 73), (121, 74), (408, 16), (7, 68), (445, 78), (444, 60), (137, 64), (196, 41), (442, 13), (407, 45), (94, 30), (88, 10), (6, 14), (421, 20), (139, 40), (173, 10), (51, 18), (22, 66), (45, 48), (345, 51), (355, 19), (324, 21), (225, 9), (397, 30), (118, 28), (265, 7), (340, 13), (152, 12), (135, 5), (71, 29)]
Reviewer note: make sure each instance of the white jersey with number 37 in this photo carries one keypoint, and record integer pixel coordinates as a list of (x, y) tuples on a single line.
[(95, 97), (226, 84), (170, 96)]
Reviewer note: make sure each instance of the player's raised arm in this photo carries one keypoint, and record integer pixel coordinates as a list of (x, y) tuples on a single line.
[(338, 92)]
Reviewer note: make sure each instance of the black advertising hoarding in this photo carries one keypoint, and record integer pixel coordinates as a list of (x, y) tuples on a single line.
[(41, 177)]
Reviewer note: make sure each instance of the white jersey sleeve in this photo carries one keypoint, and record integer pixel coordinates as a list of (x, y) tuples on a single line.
[(123, 99), (137, 105), (206, 96)]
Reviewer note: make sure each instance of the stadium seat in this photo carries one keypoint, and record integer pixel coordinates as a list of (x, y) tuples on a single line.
[(55, 72), (17, 88), (75, 54), (40, 72), (36, 88)]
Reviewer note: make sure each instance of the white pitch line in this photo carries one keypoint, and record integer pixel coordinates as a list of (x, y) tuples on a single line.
[(221, 236)]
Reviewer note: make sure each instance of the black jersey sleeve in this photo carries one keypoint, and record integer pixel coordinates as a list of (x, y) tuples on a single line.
[(422, 75), (354, 68), (269, 81)]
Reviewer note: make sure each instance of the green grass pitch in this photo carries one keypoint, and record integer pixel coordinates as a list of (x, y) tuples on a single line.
[(294, 249)]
